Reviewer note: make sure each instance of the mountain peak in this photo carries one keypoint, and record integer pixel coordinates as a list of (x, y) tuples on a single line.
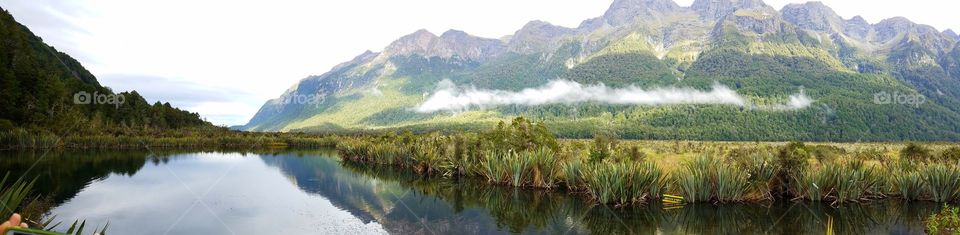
[(859, 20), (716, 9), (453, 33), (623, 12), (535, 36), (451, 43), (897, 21), (890, 28), (949, 32), (418, 41), (813, 16)]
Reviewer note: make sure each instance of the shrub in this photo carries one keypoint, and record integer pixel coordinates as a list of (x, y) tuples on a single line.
[(951, 154), (603, 146), (945, 222), (521, 135), (791, 160), (915, 152), (793, 157), (826, 153)]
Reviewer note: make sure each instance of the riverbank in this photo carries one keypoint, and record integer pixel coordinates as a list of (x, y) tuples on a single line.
[(20, 139), (608, 171)]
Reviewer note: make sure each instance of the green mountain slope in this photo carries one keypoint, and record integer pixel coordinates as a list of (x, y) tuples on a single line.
[(38, 85), (764, 55)]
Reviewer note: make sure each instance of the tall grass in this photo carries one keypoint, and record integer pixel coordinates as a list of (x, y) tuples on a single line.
[(909, 185), (15, 196), (623, 183), (761, 171), (707, 178), (942, 182), (842, 182), (624, 174), (22, 139), (538, 168)]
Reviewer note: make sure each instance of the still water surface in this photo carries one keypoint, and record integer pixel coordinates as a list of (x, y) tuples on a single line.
[(312, 192)]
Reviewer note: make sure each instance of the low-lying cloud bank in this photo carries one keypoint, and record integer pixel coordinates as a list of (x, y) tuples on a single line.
[(449, 97)]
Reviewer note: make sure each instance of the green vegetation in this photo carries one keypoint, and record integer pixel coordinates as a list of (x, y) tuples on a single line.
[(15, 196), (610, 171), (945, 222), (764, 72), (707, 179), (41, 105), (174, 138)]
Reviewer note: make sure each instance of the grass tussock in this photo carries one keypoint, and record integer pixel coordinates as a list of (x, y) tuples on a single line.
[(624, 183), (708, 179)]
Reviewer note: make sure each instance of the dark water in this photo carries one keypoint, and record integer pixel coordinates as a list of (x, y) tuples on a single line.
[(312, 192)]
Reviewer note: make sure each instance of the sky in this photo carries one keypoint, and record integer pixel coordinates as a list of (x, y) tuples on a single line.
[(225, 58)]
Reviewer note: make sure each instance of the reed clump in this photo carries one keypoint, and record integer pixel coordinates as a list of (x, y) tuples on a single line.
[(709, 179)]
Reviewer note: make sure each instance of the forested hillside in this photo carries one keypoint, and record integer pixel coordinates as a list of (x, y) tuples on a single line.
[(40, 85)]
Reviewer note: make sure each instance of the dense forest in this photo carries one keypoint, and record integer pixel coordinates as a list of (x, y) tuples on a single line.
[(39, 88)]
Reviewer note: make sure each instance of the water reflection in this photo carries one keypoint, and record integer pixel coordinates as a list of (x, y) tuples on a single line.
[(428, 205), (311, 192)]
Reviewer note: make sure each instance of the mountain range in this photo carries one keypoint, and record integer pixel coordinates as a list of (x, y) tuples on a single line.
[(652, 69)]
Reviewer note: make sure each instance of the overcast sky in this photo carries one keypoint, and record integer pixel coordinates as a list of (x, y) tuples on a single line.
[(224, 58)]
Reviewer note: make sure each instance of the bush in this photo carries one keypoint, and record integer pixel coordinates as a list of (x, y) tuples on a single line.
[(5, 125), (945, 222), (793, 157), (522, 135), (951, 154), (826, 153), (915, 152), (603, 146), (791, 160)]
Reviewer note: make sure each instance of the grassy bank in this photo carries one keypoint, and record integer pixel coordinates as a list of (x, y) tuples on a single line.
[(610, 171), (177, 138)]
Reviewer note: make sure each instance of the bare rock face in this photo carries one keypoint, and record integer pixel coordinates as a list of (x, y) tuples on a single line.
[(813, 16), (718, 9), (950, 33), (624, 12), (453, 43), (536, 36), (759, 21), (857, 27), (890, 28)]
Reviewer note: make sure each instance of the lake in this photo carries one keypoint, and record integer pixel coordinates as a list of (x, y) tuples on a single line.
[(313, 192)]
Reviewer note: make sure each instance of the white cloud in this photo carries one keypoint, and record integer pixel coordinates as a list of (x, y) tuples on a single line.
[(449, 97)]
